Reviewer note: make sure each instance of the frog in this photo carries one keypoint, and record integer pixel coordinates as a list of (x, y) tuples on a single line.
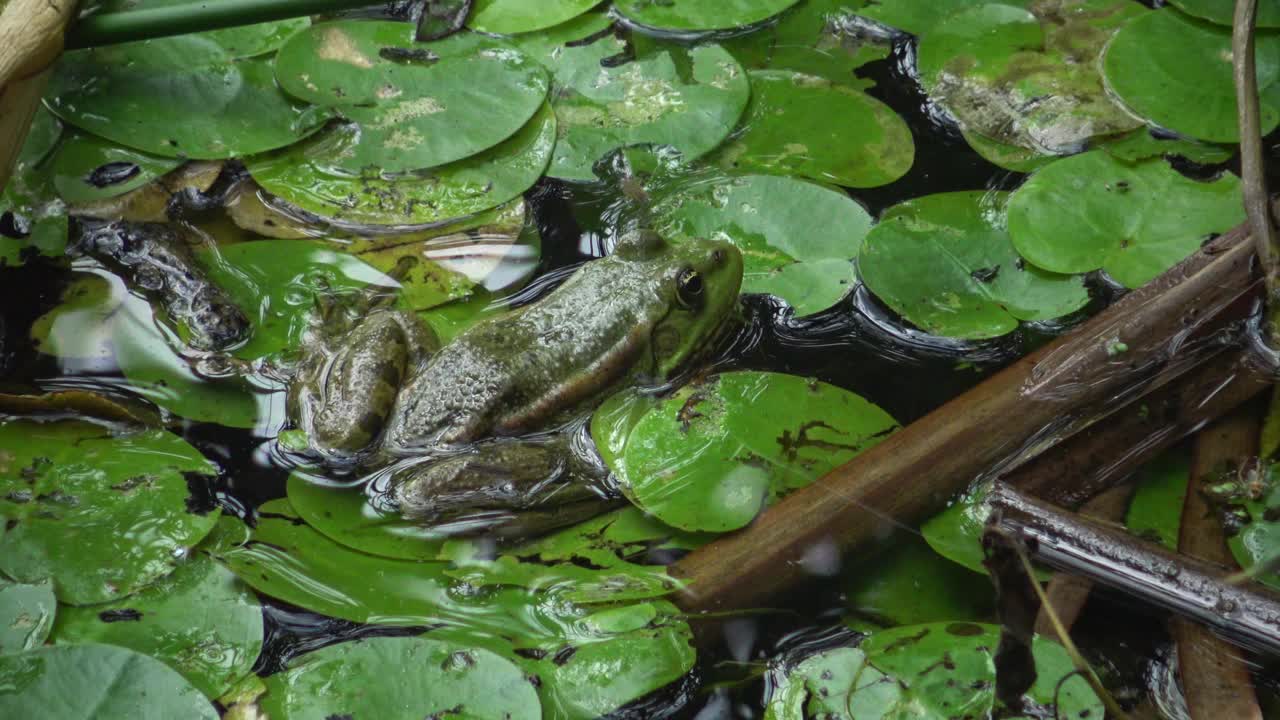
[(458, 433)]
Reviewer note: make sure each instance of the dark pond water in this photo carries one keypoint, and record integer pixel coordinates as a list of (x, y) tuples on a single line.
[(858, 345)]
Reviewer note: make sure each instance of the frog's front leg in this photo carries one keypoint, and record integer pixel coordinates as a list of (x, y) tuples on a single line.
[(507, 487), (344, 393)]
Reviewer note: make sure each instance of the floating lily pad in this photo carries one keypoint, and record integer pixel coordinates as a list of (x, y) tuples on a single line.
[(418, 105), (88, 168), (1092, 211), (239, 42), (822, 38), (708, 458), (301, 176), (699, 15), (956, 533), (945, 263), (908, 583), (1223, 11), (543, 45), (1155, 512), (78, 328), (916, 16), (1027, 78), (1176, 72), (508, 17), (797, 239), (622, 582), (26, 615), (200, 620), (943, 669), (688, 99), (88, 682), (102, 513), (32, 217), (407, 678), (802, 125), (1142, 144), (142, 95), (1009, 157)]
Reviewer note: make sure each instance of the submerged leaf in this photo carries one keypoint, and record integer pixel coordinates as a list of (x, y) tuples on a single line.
[(1092, 211), (103, 514), (699, 15), (945, 263)]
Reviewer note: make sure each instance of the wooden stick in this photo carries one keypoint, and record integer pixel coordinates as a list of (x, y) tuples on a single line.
[(1012, 416), (1247, 614), (30, 40), (1215, 679)]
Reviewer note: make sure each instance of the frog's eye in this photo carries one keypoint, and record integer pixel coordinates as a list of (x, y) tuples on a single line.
[(689, 287)]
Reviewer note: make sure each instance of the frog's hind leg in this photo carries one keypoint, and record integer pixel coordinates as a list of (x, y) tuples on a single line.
[(344, 397), (506, 487)]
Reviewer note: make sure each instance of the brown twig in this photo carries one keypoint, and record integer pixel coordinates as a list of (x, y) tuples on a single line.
[(1248, 615), (1215, 679), (1169, 327)]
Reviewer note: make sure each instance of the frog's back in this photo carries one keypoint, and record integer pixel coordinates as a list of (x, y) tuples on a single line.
[(511, 374)]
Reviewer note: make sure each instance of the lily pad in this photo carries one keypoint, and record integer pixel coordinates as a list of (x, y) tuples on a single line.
[(699, 15), (687, 99), (418, 105), (26, 615), (78, 328), (102, 513), (1142, 144), (822, 38), (345, 515), (1009, 157), (908, 583), (508, 17), (88, 168), (1155, 512), (811, 127), (239, 42), (945, 262), (88, 682), (708, 459), (1027, 78), (1092, 211), (200, 620), (1176, 72), (797, 239), (302, 177), (941, 669), (407, 678), (1222, 12), (32, 217), (916, 16), (1252, 506), (141, 95)]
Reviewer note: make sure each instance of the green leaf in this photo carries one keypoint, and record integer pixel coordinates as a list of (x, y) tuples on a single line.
[(1176, 72), (85, 166), (699, 15), (1222, 12), (1142, 144), (945, 263), (956, 533), (688, 99), (797, 239), (710, 456), (918, 17), (807, 126), (103, 513), (26, 615), (29, 203), (1009, 157), (822, 38), (406, 678), (1155, 512), (418, 105), (943, 669), (908, 583), (142, 95), (1092, 211), (78, 328), (1253, 503), (200, 620), (93, 682), (300, 175), (344, 515), (1027, 78), (508, 17)]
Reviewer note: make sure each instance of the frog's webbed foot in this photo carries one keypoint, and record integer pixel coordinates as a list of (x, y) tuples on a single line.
[(511, 488)]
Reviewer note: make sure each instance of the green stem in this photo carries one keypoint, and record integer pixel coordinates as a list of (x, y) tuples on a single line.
[(118, 27)]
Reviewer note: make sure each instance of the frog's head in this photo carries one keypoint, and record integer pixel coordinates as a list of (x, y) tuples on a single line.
[(698, 281)]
